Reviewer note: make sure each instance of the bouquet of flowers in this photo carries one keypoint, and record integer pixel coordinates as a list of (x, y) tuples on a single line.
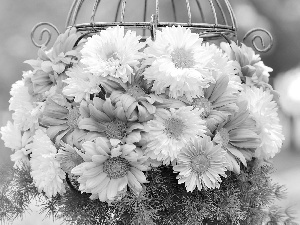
[(109, 129)]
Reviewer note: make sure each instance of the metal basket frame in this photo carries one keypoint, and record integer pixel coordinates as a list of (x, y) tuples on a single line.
[(207, 31)]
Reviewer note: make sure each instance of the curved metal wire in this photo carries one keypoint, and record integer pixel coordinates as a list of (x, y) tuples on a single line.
[(188, 7), (260, 38), (43, 32), (223, 25), (228, 27)]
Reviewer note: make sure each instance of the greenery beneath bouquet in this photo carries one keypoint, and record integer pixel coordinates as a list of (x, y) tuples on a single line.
[(243, 199)]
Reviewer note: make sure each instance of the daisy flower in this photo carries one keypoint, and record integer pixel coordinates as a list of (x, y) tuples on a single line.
[(135, 98), (45, 169), (238, 136), (264, 111), (219, 102), (178, 61), (109, 121), (253, 71), (17, 141), (80, 83), (39, 82), (112, 53), (68, 157), (61, 56), (109, 167), (201, 163), (170, 131), (221, 65), (22, 103), (60, 118)]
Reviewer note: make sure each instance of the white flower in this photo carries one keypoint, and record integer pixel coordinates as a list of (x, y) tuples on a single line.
[(178, 60), (17, 141), (200, 164), (21, 103), (109, 121), (68, 157), (11, 136), (221, 65), (112, 53), (171, 130), (60, 56), (238, 136), (252, 69), (109, 168), (81, 84), (264, 111), (46, 172)]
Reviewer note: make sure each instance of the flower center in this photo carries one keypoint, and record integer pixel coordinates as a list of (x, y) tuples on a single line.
[(200, 164), (70, 161), (73, 117), (174, 127), (115, 129), (203, 103), (112, 56), (182, 58), (116, 167), (135, 91), (222, 137)]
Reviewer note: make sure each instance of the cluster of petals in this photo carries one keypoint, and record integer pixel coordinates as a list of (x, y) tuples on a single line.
[(112, 53), (238, 135), (252, 69), (263, 110), (109, 167), (201, 164), (170, 131), (178, 60), (106, 108), (45, 169)]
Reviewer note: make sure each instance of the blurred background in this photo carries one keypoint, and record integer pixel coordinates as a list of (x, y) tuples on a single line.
[(280, 17)]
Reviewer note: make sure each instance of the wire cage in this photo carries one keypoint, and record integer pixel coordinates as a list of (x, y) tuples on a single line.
[(211, 19)]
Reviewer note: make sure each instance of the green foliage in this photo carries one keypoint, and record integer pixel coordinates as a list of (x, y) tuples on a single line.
[(241, 199), (17, 191)]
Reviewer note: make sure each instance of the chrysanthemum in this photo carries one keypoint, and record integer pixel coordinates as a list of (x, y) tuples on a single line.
[(112, 53), (39, 82), (17, 141), (135, 98), (219, 102), (109, 167), (178, 61), (264, 111), (171, 130), (68, 157), (61, 56), (253, 70), (21, 103), (60, 118), (80, 84), (109, 121), (238, 136), (45, 169), (201, 163), (221, 65)]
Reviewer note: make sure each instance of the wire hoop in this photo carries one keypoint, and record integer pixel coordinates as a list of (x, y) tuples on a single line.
[(259, 37), (43, 32)]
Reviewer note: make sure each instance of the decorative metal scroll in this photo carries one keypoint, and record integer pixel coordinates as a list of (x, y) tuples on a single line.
[(44, 32), (250, 35)]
